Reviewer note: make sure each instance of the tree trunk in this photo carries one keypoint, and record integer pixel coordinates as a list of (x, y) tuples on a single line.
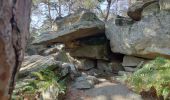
[(49, 12), (108, 9), (14, 31), (59, 8)]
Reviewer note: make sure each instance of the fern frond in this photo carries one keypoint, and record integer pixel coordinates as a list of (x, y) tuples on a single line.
[(155, 73)]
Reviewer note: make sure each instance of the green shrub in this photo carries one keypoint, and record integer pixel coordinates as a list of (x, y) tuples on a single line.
[(156, 73), (41, 81)]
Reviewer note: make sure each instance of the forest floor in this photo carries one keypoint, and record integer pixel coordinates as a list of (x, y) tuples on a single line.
[(106, 90)]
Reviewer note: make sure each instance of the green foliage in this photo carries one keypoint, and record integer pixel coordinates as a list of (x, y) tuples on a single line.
[(155, 73), (42, 81)]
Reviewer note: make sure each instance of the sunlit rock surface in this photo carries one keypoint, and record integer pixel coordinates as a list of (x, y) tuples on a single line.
[(147, 38), (79, 25)]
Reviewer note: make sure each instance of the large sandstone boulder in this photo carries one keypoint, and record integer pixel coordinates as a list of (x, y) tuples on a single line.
[(145, 7), (147, 38), (78, 25), (35, 63)]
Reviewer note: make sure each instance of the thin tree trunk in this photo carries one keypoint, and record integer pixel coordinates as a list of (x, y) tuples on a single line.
[(108, 9), (49, 12), (59, 7), (14, 31)]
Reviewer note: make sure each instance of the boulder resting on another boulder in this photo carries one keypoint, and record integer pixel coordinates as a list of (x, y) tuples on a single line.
[(147, 38), (72, 27)]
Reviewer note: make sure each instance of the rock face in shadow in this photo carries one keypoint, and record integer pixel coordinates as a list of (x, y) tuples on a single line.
[(90, 51), (147, 38), (93, 47), (79, 25)]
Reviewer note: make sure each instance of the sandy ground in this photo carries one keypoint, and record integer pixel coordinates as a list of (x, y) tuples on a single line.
[(103, 91)]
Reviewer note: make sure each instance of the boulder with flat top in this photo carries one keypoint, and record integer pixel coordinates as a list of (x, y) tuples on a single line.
[(79, 25)]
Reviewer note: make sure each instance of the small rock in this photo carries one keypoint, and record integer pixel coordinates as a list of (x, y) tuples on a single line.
[(122, 73), (85, 64), (50, 51), (92, 79), (61, 56), (116, 66), (68, 68), (93, 72), (85, 82), (131, 61), (130, 69), (102, 80), (104, 67)]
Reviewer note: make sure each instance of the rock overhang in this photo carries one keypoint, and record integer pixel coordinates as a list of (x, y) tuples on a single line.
[(82, 26)]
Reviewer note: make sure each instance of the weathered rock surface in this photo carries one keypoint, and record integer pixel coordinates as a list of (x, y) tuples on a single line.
[(130, 69), (35, 49), (91, 51), (85, 64), (143, 8), (104, 67), (79, 25), (69, 69), (35, 63), (151, 9), (164, 4), (50, 51), (131, 61), (147, 38), (61, 56), (135, 11), (94, 72), (116, 66), (123, 73), (85, 82)]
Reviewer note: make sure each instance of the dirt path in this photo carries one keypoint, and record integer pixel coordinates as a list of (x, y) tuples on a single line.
[(103, 91)]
